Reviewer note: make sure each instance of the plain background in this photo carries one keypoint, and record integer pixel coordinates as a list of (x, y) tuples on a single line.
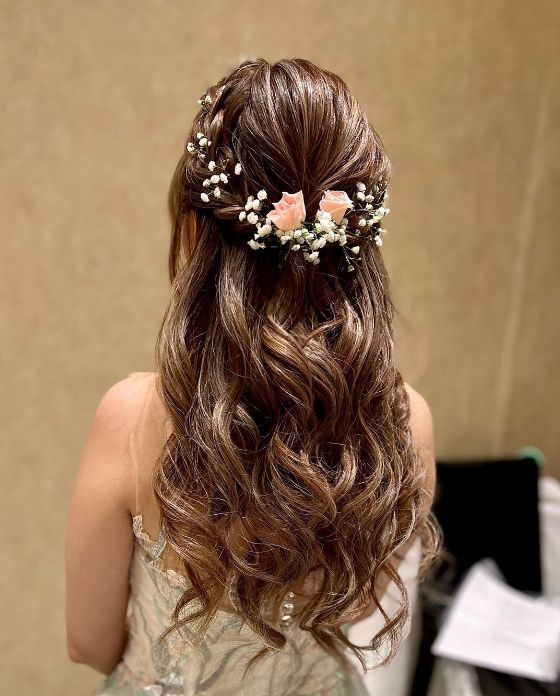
[(97, 98)]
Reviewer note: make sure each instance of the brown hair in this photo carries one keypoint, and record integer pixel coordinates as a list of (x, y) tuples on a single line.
[(291, 449)]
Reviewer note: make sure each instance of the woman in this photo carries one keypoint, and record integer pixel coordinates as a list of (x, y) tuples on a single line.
[(238, 510)]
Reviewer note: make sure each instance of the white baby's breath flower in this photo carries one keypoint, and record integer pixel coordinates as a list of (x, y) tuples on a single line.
[(256, 205), (361, 186), (355, 249), (217, 192), (342, 240), (203, 141), (211, 165), (360, 196), (362, 222), (252, 218), (261, 195), (379, 241), (224, 178), (242, 215), (207, 99), (255, 245), (369, 206), (214, 178), (264, 230), (314, 256), (318, 243), (237, 169), (209, 143), (285, 238), (296, 247), (298, 233), (369, 198), (206, 182), (200, 135), (190, 146), (205, 197), (324, 221)]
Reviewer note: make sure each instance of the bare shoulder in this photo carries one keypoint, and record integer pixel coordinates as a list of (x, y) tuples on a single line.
[(118, 409), (107, 447), (118, 403), (421, 420), (422, 427)]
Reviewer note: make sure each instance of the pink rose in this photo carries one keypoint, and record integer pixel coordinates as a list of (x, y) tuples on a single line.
[(336, 203), (289, 212)]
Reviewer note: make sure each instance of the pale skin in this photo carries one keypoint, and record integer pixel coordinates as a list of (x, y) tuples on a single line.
[(99, 537)]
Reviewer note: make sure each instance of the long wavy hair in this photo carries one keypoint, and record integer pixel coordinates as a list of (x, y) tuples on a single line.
[(291, 451)]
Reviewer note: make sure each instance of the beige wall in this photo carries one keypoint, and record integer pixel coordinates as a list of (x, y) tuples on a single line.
[(96, 98)]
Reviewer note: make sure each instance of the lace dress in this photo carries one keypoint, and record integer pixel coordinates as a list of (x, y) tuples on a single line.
[(152, 666), (162, 667)]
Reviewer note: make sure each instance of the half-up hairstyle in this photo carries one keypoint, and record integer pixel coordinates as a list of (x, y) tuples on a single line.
[(291, 451)]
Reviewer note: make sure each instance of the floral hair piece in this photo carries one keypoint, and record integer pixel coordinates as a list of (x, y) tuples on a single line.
[(284, 222), (287, 222), (204, 101), (216, 177)]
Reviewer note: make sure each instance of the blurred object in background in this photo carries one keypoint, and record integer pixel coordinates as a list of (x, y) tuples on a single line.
[(496, 509), (491, 625), (489, 509)]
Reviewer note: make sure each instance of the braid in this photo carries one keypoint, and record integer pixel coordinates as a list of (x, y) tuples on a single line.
[(218, 124)]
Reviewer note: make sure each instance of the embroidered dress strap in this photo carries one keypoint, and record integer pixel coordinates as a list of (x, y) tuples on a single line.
[(153, 547)]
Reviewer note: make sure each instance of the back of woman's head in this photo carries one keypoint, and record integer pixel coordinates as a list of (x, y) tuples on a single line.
[(291, 449)]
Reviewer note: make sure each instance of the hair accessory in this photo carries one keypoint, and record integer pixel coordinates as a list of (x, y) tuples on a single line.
[(284, 222), (204, 101), (287, 222), (216, 177)]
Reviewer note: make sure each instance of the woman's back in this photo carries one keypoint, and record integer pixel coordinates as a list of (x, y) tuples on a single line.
[(173, 664)]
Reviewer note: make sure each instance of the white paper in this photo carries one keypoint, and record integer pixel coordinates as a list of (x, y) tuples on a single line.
[(492, 625)]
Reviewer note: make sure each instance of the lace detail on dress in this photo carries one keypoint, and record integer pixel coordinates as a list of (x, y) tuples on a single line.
[(177, 666), (155, 548)]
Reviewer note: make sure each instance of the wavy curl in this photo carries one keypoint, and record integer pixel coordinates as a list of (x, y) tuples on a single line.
[(291, 451)]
